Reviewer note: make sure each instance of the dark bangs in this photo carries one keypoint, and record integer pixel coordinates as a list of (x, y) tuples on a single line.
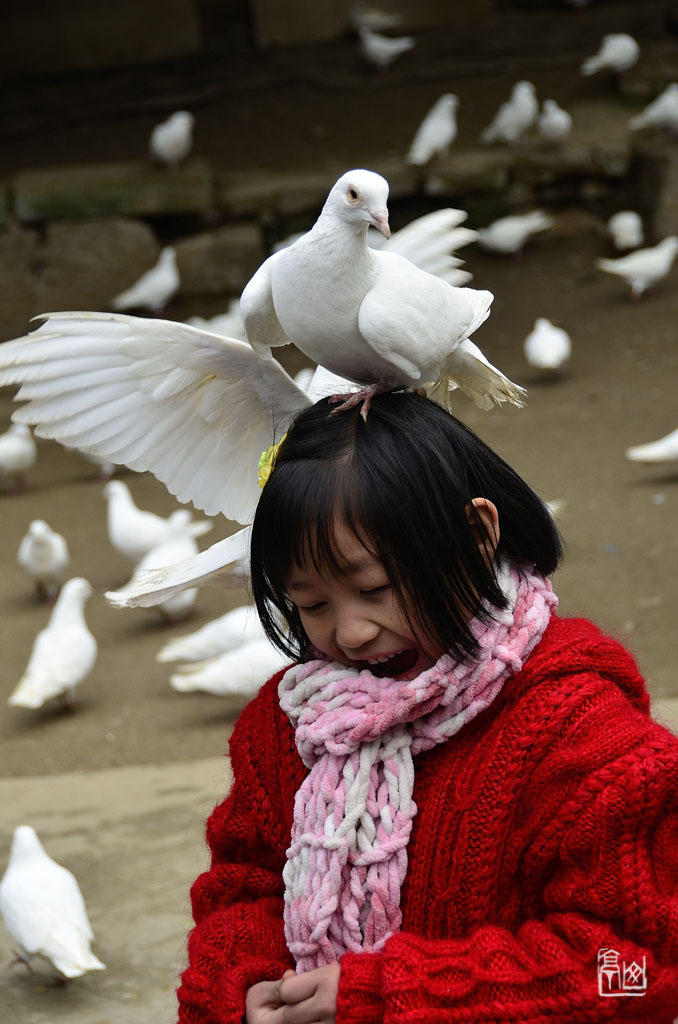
[(402, 482)]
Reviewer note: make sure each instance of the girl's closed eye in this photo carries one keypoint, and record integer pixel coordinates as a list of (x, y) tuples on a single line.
[(369, 591)]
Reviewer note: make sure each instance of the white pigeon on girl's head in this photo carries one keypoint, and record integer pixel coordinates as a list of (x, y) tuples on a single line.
[(171, 140), (626, 229), (238, 672), (645, 267), (134, 532), (63, 654), (661, 113), (18, 453), (388, 324), (197, 409), (437, 131), (43, 908), (547, 347), (553, 124), (663, 450), (43, 554), (514, 118), (509, 234), (154, 289), (383, 50), (231, 630), (618, 52)]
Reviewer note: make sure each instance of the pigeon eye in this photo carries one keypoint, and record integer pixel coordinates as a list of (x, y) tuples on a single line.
[(353, 195)]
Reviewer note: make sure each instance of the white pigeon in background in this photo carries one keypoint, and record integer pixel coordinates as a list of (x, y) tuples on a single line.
[(171, 140), (553, 124), (239, 672), (663, 450), (645, 267), (44, 910), (618, 52), (134, 532), (382, 50), (509, 234), (229, 324), (547, 347), (626, 229), (364, 16), (515, 118), (64, 652), (233, 629), (177, 546), (154, 289), (43, 554), (661, 113), (18, 453), (390, 324), (437, 131)]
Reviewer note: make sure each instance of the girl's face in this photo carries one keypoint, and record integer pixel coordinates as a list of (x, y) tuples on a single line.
[(355, 618)]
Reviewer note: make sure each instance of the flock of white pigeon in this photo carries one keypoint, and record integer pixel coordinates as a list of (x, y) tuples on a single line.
[(195, 404)]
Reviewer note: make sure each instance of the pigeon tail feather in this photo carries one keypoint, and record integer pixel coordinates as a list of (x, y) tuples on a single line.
[(468, 369)]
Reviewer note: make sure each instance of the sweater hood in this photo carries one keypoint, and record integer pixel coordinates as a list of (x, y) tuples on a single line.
[(575, 646)]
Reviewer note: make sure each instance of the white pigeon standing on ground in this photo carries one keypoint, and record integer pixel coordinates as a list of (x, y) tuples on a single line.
[(661, 113), (171, 140), (437, 131), (63, 654), (626, 229), (663, 450), (515, 118), (134, 532), (229, 323), (509, 234), (178, 545), (547, 347), (390, 324), (364, 16), (238, 672), (233, 629), (645, 267), (382, 50), (618, 52), (44, 910), (154, 289), (553, 124), (18, 453), (43, 554)]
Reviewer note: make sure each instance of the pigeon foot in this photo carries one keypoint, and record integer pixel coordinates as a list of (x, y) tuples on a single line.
[(364, 395), (19, 958)]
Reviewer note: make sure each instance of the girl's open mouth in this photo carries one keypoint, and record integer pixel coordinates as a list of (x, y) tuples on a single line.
[(401, 662)]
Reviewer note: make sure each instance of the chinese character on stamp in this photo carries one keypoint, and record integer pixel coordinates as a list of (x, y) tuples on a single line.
[(620, 979)]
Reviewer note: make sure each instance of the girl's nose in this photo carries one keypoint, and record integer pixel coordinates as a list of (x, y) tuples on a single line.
[(354, 631)]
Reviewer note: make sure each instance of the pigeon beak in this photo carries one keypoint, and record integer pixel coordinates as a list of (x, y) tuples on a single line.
[(380, 221)]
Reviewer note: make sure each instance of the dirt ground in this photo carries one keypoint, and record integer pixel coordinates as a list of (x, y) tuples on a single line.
[(119, 789)]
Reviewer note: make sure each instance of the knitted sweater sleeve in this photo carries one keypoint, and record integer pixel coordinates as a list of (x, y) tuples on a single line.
[(237, 903), (609, 869)]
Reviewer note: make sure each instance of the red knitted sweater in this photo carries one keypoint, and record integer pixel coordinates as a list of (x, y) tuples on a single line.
[(547, 830)]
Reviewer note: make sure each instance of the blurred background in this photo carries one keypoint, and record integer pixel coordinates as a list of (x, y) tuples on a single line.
[(285, 97)]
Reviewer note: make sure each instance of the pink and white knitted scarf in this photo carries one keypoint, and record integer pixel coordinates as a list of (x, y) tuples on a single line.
[(358, 735)]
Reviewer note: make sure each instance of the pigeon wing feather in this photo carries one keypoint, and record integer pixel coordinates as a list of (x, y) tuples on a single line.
[(194, 408)]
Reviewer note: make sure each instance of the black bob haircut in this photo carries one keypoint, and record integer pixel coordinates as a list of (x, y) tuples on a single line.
[(402, 482)]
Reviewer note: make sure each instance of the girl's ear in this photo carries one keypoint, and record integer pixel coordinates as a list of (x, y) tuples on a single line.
[(484, 520)]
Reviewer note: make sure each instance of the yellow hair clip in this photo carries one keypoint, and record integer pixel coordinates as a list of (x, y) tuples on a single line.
[(267, 461)]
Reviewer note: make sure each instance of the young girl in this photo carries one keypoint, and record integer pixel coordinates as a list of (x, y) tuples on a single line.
[(454, 805)]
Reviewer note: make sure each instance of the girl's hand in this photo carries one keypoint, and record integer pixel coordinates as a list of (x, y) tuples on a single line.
[(263, 1004), (310, 997)]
